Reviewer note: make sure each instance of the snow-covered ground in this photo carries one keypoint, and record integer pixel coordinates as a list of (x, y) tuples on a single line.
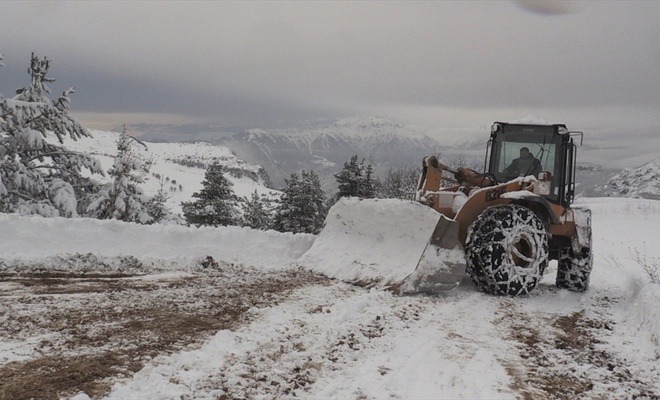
[(81, 296)]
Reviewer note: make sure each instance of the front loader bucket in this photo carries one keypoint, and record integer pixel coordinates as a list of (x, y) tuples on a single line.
[(390, 244), (442, 265)]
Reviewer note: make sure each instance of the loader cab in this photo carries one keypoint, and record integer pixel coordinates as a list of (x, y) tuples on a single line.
[(551, 145)]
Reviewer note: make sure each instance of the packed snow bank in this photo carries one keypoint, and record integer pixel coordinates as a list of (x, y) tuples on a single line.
[(35, 238)]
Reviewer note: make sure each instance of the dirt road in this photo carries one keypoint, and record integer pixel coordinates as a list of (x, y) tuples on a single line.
[(85, 330), (294, 334)]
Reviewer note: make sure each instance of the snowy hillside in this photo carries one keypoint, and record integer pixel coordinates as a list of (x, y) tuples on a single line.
[(640, 183), (326, 148), (113, 310), (180, 167)]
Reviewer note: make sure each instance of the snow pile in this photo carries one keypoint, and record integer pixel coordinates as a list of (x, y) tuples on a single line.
[(642, 311), (377, 241), (627, 231), (35, 238)]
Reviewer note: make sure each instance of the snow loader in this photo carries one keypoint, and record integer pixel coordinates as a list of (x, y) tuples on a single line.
[(500, 227)]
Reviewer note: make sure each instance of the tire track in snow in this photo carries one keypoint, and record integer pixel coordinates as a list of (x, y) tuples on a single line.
[(340, 341), (564, 354)]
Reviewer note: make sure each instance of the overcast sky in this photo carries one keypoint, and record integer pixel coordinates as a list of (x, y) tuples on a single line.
[(452, 67)]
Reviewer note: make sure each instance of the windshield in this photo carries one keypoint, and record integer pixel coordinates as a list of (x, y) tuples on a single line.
[(526, 158), (523, 150)]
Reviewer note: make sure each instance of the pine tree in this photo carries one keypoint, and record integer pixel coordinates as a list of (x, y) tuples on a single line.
[(255, 213), (36, 176), (216, 203), (302, 207), (123, 198), (356, 180), (157, 208), (317, 200)]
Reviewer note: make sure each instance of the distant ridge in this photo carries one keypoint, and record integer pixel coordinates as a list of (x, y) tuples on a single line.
[(640, 183), (325, 148)]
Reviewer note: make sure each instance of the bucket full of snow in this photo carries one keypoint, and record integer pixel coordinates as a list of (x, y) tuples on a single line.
[(391, 244)]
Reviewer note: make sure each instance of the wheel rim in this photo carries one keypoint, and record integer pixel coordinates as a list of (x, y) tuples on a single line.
[(507, 250), (522, 251)]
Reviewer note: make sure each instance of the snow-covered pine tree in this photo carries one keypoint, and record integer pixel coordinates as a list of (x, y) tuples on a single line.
[(216, 203), (256, 214), (302, 207), (356, 180), (157, 208), (38, 177), (285, 215), (399, 183), (123, 198)]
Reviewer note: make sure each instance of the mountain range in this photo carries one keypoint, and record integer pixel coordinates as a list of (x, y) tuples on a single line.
[(382, 142)]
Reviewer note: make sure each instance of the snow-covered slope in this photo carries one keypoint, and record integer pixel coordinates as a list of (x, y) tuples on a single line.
[(179, 167), (591, 180), (641, 183)]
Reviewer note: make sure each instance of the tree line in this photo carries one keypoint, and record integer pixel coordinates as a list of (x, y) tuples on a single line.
[(303, 205), (38, 177)]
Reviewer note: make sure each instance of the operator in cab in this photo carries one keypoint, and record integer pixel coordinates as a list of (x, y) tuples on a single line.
[(525, 165)]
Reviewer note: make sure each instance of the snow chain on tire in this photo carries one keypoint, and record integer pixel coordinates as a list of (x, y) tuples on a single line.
[(574, 270), (507, 250)]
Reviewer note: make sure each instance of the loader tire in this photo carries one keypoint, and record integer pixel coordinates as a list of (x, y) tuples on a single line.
[(507, 250), (574, 270)]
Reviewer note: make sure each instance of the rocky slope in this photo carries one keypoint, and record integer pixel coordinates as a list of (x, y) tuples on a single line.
[(640, 183)]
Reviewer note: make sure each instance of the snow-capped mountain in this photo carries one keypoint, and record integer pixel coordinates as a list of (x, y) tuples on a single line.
[(641, 183), (326, 148)]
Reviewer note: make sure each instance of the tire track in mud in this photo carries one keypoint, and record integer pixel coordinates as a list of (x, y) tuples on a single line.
[(83, 331), (564, 356)]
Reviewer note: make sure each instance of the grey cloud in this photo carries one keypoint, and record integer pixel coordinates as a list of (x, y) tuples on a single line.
[(548, 7), (454, 66)]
